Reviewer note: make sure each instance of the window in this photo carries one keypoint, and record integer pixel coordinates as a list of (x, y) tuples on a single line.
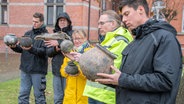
[(157, 6), (54, 7), (183, 21), (103, 5), (3, 12)]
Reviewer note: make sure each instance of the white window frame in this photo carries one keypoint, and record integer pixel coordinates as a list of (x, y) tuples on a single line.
[(5, 21), (182, 23), (55, 5)]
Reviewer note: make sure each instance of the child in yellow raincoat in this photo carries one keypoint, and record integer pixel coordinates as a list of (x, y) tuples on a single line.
[(75, 83)]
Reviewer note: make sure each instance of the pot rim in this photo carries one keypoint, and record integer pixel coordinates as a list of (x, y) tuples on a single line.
[(106, 51)]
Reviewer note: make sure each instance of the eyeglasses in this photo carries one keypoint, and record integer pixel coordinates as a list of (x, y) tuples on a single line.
[(103, 22), (78, 38)]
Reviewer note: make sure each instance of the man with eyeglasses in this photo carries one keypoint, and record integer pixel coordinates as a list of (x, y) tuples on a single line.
[(116, 39), (64, 24)]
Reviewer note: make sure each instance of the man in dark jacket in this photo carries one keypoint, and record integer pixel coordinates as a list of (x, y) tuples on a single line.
[(152, 65), (34, 63), (63, 23)]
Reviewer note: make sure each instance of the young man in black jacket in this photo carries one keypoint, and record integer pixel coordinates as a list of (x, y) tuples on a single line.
[(64, 24), (34, 63), (152, 64)]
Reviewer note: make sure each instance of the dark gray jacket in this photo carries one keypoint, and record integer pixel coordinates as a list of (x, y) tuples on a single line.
[(34, 61), (151, 66)]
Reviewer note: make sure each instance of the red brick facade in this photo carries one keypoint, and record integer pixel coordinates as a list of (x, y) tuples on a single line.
[(20, 17)]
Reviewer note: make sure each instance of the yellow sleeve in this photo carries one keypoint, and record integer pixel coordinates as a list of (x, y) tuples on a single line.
[(62, 69)]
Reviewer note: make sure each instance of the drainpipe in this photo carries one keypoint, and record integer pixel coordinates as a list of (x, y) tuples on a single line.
[(89, 11), (6, 53), (103, 5)]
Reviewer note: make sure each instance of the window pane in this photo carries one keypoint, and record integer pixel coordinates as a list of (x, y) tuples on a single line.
[(4, 1), (59, 1), (4, 15), (50, 1), (50, 15), (54, 7), (59, 9)]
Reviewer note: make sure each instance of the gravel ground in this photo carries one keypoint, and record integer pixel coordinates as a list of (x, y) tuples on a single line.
[(9, 66)]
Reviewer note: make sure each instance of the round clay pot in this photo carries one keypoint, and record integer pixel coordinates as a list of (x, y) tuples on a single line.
[(96, 60), (71, 68), (25, 41), (66, 46), (10, 39)]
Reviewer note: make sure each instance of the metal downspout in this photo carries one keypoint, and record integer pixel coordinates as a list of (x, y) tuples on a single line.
[(89, 11)]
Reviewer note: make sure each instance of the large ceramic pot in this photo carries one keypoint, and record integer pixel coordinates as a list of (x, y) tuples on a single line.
[(96, 60), (10, 39), (25, 41)]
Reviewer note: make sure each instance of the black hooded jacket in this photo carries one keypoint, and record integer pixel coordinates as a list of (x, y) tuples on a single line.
[(57, 57), (67, 29), (151, 66), (35, 60)]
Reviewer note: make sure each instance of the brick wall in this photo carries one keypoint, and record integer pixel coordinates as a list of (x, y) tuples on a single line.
[(20, 17), (180, 38)]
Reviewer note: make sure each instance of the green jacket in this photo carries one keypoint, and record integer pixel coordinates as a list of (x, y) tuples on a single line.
[(115, 42)]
